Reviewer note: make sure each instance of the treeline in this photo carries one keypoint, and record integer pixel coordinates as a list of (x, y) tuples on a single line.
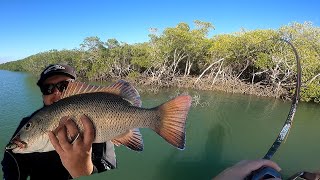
[(253, 60)]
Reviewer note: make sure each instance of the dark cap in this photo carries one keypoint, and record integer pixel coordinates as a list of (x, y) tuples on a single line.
[(56, 69)]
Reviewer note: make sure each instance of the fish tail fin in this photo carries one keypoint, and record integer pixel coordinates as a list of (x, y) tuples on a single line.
[(173, 119)]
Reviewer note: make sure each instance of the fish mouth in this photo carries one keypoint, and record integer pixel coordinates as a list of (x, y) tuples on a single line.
[(16, 143)]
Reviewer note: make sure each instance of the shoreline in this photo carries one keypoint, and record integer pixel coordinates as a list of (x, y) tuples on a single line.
[(228, 86)]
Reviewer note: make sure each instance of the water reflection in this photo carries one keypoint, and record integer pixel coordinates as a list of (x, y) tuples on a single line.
[(203, 167)]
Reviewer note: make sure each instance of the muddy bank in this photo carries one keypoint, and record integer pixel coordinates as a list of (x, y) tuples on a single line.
[(225, 85)]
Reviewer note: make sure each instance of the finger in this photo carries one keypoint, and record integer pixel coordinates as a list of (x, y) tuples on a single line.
[(61, 124), (256, 164), (63, 120), (89, 131), (63, 139), (72, 129), (243, 162), (55, 142), (271, 164), (75, 138), (77, 141)]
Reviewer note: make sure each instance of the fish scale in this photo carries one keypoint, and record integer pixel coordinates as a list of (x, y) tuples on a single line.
[(115, 115), (104, 111)]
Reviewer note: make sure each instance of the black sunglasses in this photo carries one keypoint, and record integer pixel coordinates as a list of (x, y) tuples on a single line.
[(48, 89)]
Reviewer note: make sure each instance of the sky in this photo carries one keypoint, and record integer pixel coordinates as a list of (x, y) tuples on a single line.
[(29, 27)]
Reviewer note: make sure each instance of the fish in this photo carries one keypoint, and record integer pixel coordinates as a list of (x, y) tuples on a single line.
[(115, 112)]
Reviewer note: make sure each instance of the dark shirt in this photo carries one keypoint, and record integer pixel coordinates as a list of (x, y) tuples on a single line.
[(47, 165)]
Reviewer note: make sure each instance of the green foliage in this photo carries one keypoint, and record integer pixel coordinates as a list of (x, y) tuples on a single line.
[(37, 62), (181, 47), (263, 61), (141, 56), (183, 50), (133, 75), (12, 66), (311, 92)]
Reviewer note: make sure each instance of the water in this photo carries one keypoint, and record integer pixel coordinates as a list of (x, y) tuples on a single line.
[(222, 130)]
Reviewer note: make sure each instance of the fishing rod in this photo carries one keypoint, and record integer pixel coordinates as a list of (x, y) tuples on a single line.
[(288, 123), (268, 172)]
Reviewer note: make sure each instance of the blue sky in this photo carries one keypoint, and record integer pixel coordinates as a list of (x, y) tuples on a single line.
[(28, 27)]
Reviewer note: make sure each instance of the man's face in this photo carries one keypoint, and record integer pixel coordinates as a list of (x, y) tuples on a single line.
[(55, 92)]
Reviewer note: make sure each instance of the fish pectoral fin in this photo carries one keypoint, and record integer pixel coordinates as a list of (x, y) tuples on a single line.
[(115, 142), (132, 139)]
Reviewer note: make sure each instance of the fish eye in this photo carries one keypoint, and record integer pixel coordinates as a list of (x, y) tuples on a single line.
[(28, 126)]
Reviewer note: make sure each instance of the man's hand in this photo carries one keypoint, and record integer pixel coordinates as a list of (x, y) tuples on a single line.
[(244, 168), (75, 156)]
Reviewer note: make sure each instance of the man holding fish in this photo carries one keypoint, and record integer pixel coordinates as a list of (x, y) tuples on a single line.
[(98, 115), (73, 134), (71, 159)]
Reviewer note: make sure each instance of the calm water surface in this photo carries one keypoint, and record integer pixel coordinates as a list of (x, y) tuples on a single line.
[(222, 130)]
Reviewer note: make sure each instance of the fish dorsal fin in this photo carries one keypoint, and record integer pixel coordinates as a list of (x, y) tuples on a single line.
[(126, 91), (120, 88), (132, 139), (75, 88)]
